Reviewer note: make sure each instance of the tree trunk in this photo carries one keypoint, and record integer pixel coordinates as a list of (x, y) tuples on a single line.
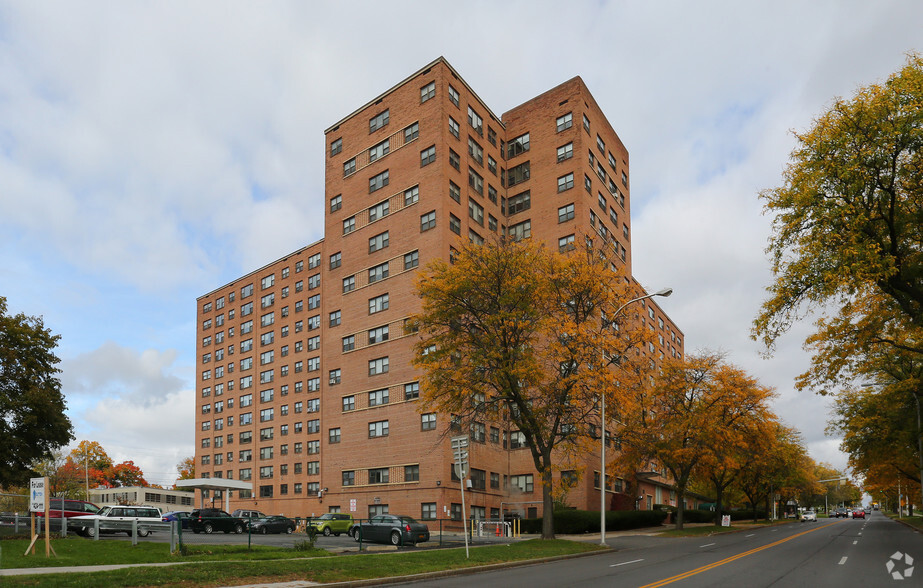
[(547, 503), (719, 499), (680, 514)]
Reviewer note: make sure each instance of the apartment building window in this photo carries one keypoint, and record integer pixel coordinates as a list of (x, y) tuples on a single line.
[(267, 414), (412, 132), (379, 397), (475, 151), (520, 231), (336, 203), (601, 201), (246, 309), (454, 160), (266, 357), (246, 419), (412, 473), (334, 435), (378, 335), (378, 273), (349, 167), (427, 156), (378, 181), (245, 437), (246, 345), (313, 426), (517, 146), (411, 195), (313, 447), (519, 203), (349, 478), (411, 391), (565, 152), (565, 182), (427, 221), (380, 150), (587, 184), (349, 225), (267, 319), (475, 181), (349, 403), (266, 452), (378, 121), (454, 224), (491, 193), (586, 123), (378, 366), (476, 122), (246, 291), (566, 213), (411, 260), (336, 146), (313, 303), (521, 483), (476, 212), (478, 432), (518, 174), (492, 165), (313, 323), (265, 473), (601, 145), (428, 421), (378, 429), (454, 192), (379, 241), (614, 216), (349, 283), (565, 122), (378, 303), (313, 404), (566, 243), (335, 317), (453, 127), (453, 95), (378, 476), (313, 365), (349, 343), (380, 210), (334, 378), (625, 230), (313, 343)]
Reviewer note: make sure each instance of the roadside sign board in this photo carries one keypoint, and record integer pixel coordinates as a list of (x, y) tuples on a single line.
[(460, 453), (37, 494)]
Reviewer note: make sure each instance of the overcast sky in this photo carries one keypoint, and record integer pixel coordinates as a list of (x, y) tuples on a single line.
[(152, 152)]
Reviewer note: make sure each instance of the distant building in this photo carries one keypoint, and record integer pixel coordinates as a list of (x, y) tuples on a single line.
[(305, 385), (166, 500)]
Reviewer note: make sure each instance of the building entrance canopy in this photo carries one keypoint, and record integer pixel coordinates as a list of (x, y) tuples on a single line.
[(214, 484)]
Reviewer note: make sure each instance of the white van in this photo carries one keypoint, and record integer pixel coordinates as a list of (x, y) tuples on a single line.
[(114, 519)]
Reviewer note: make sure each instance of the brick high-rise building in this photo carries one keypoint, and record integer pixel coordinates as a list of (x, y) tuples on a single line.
[(305, 384)]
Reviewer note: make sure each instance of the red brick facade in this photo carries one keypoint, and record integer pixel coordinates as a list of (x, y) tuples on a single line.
[(419, 168)]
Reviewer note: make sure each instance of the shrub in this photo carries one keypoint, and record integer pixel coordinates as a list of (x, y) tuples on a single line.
[(575, 522)]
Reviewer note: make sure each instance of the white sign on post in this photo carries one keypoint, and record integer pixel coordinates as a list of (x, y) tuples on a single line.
[(37, 494), (725, 520)]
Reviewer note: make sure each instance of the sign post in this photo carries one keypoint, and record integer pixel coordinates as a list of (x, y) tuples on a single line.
[(460, 450), (38, 502)]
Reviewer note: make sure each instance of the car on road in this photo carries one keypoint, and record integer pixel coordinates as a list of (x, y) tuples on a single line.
[(393, 529), (333, 523), (809, 515), (178, 515), (840, 512), (858, 514), (116, 519), (272, 524), (209, 520)]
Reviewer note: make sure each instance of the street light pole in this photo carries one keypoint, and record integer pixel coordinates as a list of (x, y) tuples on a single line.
[(602, 405)]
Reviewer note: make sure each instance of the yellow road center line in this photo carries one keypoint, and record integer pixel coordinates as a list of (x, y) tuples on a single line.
[(727, 560)]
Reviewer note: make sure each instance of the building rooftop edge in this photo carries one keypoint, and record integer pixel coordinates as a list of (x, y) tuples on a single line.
[(261, 268)]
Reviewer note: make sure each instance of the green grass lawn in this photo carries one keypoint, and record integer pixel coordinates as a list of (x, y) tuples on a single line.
[(241, 567)]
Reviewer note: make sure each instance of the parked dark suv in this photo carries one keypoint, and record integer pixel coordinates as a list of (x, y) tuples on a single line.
[(209, 520)]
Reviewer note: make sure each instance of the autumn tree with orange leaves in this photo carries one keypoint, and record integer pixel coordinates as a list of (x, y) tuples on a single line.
[(513, 332), (698, 410)]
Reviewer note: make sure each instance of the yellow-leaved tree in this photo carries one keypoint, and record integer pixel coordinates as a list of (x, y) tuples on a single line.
[(513, 332)]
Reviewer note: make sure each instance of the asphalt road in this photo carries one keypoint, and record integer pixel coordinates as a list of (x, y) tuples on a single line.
[(841, 553)]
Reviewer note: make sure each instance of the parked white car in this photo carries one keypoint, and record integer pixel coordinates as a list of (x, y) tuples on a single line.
[(809, 515), (115, 519)]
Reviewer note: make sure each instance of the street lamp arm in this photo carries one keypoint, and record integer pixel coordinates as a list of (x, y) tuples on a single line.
[(665, 292)]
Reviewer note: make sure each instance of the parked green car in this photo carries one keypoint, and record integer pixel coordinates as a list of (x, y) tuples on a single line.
[(332, 523)]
